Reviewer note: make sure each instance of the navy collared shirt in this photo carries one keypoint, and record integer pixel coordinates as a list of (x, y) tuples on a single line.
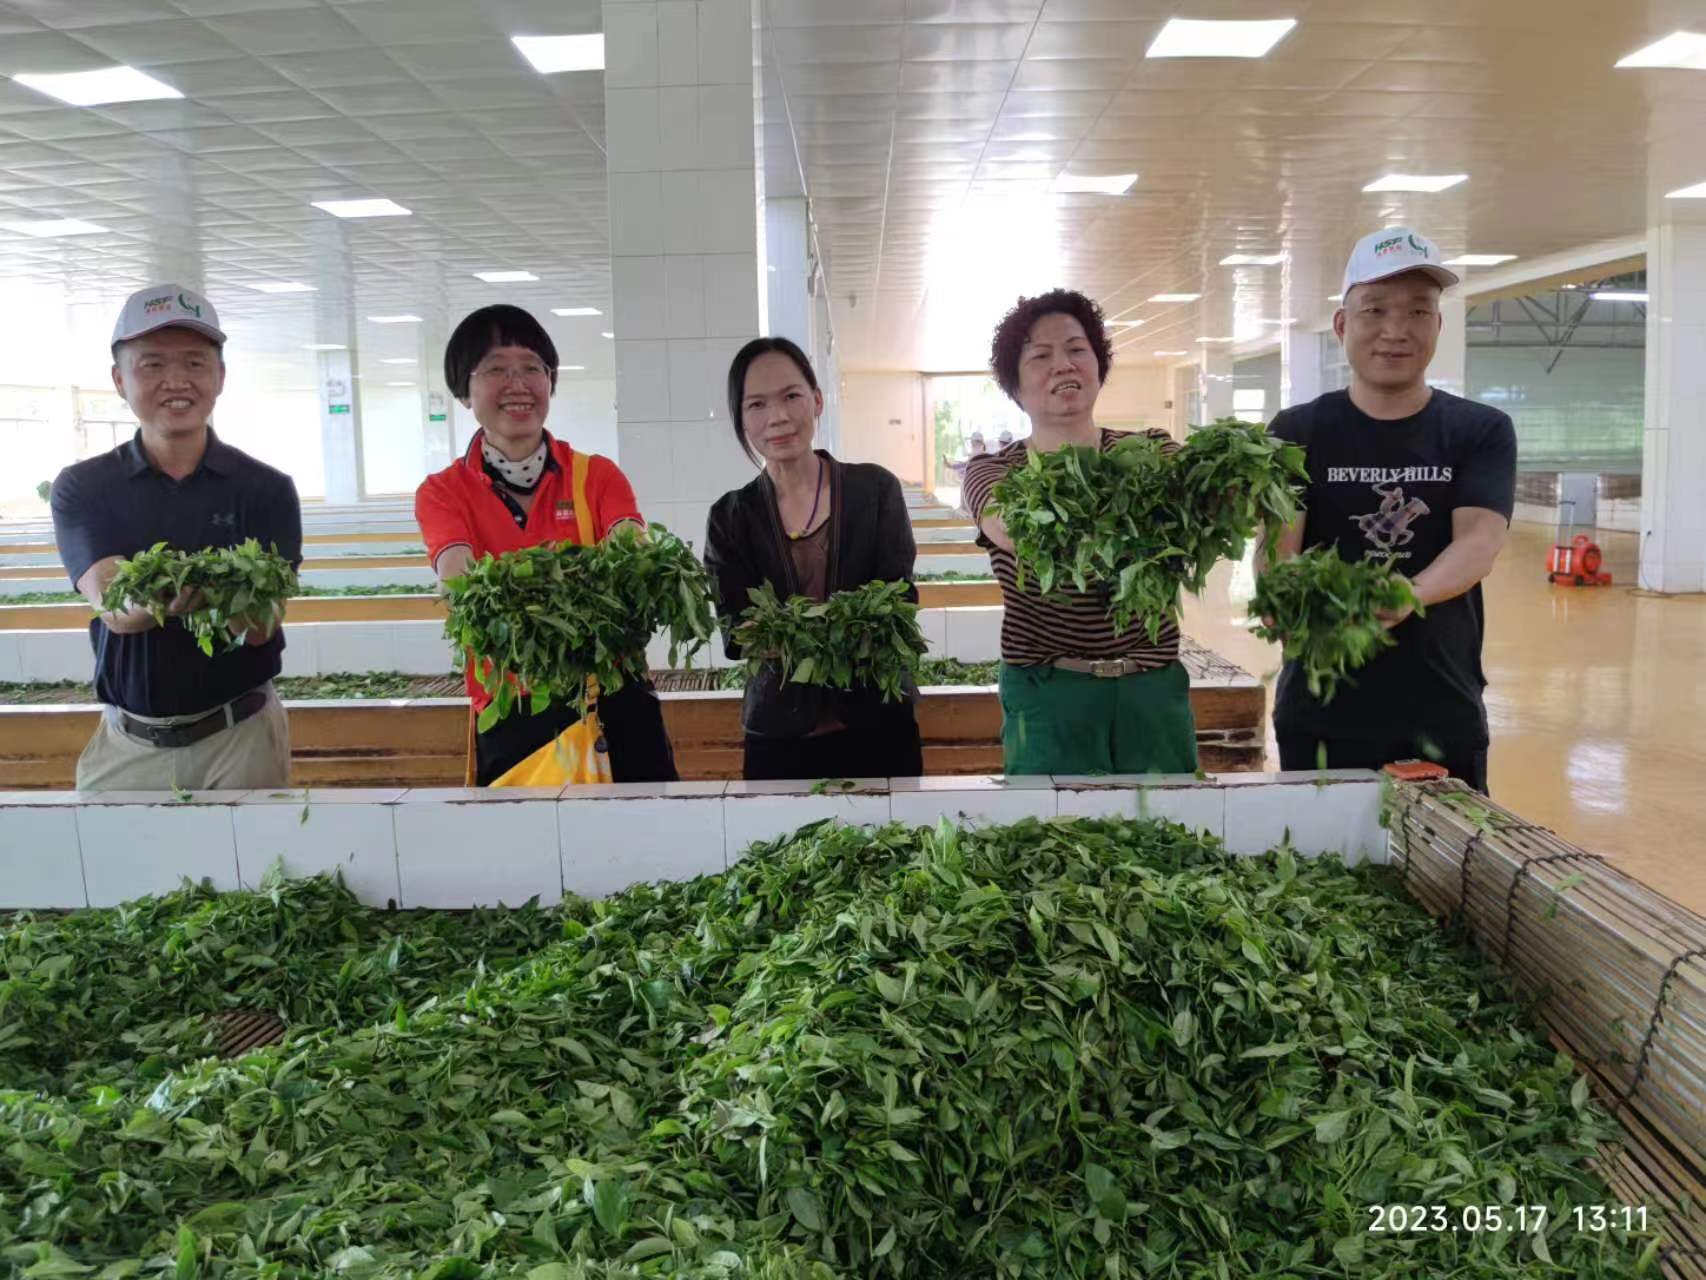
[(118, 504)]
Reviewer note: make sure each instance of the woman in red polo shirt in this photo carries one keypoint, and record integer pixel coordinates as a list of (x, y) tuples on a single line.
[(514, 489)]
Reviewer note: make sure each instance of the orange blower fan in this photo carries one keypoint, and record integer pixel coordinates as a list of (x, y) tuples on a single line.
[(1576, 564)]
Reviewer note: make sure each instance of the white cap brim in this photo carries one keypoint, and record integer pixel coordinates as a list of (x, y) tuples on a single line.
[(1444, 278), (175, 322)]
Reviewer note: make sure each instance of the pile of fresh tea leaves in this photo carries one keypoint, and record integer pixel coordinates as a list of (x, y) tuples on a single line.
[(223, 592), (543, 619), (1066, 1049)]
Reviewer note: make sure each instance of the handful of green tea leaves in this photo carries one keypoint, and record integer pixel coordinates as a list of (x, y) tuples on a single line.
[(1326, 613), (1142, 520), (868, 636), (236, 589), (547, 617)]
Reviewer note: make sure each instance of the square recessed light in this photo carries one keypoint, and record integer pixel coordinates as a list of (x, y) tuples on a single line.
[(1429, 182), (1479, 259), (1108, 184), (505, 277), (1683, 49), (1252, 259), (576, 311), (398, 319), (607, 335), (551, 54), (362, 208), (1176, 297), (44, 228), (1618, 295), (94, 88), (281, 286), (1195, 38), (324, 346), (1696, 192), (400, 360)]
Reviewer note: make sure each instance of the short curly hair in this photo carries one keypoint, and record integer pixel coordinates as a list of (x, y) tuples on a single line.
[(1017, 324)]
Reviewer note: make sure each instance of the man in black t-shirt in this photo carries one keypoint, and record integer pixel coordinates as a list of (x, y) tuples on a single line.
[(1400, 471), (172, 717)]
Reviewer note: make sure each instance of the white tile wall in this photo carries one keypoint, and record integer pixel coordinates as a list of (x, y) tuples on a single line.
[(692, 384), (637, 284), (642, 383), (615, 836), (678, 128), (40, 862), (684, 214), (731, 295), (1333, 812), (631, 129), (725, 44), (632, 40), (756, 811), (458, 848), (684, 294), (974, 634), (678, 42), (729, 213), (135, 845), (309, 832), (923, 801), (636, 214), (725, 125)]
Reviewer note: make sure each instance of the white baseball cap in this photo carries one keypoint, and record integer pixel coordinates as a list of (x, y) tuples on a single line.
[(1391, 252), (165, 305)]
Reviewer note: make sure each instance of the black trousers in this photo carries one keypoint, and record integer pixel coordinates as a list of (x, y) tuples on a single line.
[(633, 727), (1463, 757), (888, 748)]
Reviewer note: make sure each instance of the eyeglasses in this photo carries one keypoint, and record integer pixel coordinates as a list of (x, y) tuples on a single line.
[(497, 375)]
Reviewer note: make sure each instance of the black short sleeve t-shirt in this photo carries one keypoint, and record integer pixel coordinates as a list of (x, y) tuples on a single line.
[(1387, 489), (116, 504)]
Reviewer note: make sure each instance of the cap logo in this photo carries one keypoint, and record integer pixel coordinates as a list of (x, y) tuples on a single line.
[(1415, 244), (156, 305), (189, 306), (1387, 246)]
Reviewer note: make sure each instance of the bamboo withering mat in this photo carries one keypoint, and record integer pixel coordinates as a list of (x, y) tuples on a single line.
[(1616, 970)]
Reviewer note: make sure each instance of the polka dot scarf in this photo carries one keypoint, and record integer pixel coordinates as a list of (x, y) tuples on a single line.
[(523, 476)]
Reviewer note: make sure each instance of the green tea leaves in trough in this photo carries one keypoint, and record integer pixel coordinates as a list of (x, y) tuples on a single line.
[(236, 589), (1144, 520), (867, 637), (1049, 1051), (1326, 613), (543, 619)]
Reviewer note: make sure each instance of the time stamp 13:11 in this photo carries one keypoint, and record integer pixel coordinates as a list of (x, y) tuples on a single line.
[(1404, 1219)]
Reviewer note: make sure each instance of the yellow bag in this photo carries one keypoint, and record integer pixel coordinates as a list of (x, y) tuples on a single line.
[(579, 753)]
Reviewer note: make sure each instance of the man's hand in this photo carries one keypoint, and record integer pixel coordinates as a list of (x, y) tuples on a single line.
[(186, 601)]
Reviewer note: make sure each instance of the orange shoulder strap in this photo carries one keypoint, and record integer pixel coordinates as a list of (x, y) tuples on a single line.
[(583, 512)]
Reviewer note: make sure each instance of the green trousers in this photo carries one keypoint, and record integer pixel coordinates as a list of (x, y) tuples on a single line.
[(1056, 721)]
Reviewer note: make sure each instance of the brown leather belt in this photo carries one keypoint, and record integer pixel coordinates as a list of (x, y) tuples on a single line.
[(219, 719), (1105, 668)]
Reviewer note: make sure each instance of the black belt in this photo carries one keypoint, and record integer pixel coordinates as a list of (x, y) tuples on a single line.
[(182, 735)]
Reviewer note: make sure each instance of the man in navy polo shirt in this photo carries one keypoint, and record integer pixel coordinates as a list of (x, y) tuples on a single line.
[(173, 717)]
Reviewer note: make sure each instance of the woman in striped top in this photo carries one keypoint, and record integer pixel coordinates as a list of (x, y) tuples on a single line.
[(1076, 696)]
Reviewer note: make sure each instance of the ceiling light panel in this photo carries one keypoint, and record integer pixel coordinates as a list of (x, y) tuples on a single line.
[(47, 228), (551, 54), (505, 277), (397, 319), (1111, 184), (1176, 297), (1684, 50), (576, 311), (1195, 38), (1422, 182), (1252, 259), (362, 208), (1696, 192), (1479, 259), (96, 88), (281, 286), (1617, 295)]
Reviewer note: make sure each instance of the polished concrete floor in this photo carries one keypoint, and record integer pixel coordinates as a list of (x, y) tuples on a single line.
[(1596, 699)]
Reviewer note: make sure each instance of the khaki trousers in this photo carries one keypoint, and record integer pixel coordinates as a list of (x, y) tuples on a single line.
[(246, 757)]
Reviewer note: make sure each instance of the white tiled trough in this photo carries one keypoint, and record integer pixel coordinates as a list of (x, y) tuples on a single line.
[(460, 848), (967, 633)]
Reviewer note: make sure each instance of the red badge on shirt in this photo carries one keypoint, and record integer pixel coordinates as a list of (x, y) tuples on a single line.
[(564, 510)]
